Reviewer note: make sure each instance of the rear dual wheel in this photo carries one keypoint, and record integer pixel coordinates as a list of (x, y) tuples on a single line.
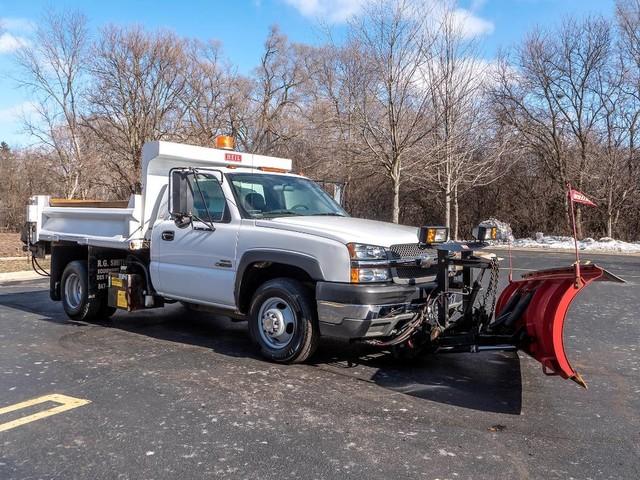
[(75, 295)]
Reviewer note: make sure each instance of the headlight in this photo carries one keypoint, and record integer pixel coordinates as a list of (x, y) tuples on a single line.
[(368, 263), (359, 251), (365, 275)]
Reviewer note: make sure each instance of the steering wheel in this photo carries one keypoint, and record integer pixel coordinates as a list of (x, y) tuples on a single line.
[(300, 206)]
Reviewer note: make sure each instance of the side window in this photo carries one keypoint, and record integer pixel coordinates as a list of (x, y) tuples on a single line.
[(208, 200)]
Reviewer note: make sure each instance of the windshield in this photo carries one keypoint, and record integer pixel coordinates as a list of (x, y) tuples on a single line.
[(266, 196)]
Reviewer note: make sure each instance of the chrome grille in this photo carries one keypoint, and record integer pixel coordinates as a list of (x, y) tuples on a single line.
[(411, 250)]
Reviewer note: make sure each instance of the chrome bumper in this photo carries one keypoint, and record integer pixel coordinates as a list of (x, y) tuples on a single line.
[(354, 311), (360, 321)]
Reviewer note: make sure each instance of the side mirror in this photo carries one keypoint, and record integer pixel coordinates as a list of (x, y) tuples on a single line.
[(180, 197)]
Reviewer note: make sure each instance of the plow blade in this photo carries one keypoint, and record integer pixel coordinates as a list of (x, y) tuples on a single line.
[(537, 305)]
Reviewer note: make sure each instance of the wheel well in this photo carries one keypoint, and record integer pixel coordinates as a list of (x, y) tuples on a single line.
[(259, 272)]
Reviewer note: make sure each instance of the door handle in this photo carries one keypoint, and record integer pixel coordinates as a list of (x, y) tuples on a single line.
[(168, 235)]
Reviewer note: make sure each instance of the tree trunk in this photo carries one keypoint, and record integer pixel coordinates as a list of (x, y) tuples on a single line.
[(396, 197), (456, 213), (578, 221), (447, 205), (609, 217)]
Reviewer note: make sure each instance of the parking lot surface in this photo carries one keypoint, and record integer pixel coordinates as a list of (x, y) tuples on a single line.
[(168, 393)]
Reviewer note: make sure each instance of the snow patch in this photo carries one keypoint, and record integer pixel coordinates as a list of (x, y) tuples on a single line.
[(605, 244), (558, 242)]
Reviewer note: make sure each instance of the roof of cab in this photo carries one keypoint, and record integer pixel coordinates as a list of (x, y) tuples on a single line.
[(160, 157)]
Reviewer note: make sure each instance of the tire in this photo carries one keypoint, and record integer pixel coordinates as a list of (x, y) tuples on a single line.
[(282, 321), (75, 301)]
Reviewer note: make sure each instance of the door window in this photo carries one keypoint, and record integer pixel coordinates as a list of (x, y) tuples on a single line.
[(208, 198)]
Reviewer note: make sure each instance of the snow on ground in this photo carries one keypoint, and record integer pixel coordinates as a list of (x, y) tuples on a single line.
[(605, 244)]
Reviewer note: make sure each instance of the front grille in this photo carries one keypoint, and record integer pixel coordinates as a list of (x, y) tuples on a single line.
[(411, 251)]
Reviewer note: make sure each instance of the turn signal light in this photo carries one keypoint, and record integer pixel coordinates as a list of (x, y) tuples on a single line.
[(225, 142)]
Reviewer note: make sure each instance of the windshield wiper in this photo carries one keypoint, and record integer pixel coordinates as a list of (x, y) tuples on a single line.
[(279, 212), (328, 214)]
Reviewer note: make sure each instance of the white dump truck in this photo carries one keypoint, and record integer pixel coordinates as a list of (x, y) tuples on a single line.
[(234, 233), (240, 235)]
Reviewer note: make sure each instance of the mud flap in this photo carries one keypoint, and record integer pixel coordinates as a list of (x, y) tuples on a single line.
[(536, 306)]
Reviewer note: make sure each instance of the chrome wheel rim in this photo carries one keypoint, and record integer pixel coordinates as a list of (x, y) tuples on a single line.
[(73, 290), (277, 322)]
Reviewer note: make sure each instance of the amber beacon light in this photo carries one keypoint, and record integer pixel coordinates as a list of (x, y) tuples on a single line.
[(225, 142)]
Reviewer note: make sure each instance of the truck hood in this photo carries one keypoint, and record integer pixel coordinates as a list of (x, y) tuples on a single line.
[(346, 229)]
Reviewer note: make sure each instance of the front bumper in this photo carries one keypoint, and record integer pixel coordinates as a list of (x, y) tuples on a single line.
[(355, 311)]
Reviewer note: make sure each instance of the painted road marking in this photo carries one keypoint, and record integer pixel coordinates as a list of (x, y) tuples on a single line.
[(66, 403)]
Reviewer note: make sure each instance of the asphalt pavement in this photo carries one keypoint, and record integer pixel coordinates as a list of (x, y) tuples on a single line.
[(167, 394)]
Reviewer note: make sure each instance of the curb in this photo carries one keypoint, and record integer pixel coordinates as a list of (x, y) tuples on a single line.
[(19, 276)]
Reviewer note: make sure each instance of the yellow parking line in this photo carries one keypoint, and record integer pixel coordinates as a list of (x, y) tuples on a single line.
[(66, 403)]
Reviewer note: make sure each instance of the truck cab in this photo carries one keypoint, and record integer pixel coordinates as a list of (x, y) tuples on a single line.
[(237, 234)]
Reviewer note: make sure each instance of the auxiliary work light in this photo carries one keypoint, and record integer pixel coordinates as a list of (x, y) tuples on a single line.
[(429, 235)]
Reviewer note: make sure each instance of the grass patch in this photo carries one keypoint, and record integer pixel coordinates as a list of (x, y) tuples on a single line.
[(21, 265)]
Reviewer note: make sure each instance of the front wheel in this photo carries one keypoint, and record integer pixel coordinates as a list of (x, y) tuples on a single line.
[(282, 321)]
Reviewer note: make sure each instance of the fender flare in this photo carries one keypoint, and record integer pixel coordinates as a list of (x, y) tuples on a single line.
[(296, 259)]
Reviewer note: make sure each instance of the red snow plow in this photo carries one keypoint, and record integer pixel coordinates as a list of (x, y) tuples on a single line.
[(460, 312), (537, 306)]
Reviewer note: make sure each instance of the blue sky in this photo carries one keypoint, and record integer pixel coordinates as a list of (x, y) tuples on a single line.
[(241, 26)]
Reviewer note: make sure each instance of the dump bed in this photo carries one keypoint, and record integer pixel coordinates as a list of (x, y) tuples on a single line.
[(87, 222)]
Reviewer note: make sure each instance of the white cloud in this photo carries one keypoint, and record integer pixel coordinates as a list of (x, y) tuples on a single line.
[(335, 11), (10, 42), (338, 11), (11, 30), (16, 24), (12, 114), (470, 24)]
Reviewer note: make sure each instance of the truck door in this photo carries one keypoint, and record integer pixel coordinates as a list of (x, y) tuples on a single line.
[(197, 262)]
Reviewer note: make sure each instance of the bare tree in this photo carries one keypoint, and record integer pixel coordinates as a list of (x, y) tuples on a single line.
[(205, 96), (391, 111), (549, 93), (138, 82), (628, 16), (52, 68), (462, 143), (275, 90)]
